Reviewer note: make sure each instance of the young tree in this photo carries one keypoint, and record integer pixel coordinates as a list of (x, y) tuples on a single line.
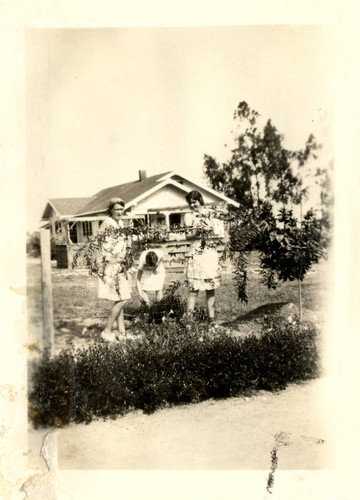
[(287, 248)]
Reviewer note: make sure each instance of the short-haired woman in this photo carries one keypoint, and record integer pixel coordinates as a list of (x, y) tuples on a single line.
[(114, 285), (202, 270)]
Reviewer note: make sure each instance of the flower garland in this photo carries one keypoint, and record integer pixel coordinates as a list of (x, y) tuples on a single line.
[(101, 248), (100, 251)]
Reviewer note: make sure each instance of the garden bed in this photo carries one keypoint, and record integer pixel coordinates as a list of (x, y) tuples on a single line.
[(79, 317), (172, 363)]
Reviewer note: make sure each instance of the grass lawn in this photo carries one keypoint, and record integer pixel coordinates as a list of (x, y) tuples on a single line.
[(79, 315)]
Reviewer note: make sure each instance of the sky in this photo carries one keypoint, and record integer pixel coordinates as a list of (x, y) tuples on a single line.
[(104, 103)]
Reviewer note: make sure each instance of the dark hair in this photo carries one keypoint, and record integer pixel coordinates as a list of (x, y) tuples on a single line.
[(151, 258), (194, 196), (113, 202)]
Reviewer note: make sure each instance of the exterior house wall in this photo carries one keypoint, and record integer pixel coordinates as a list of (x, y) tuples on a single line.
[(168, 196), (95, 225), (162, 205), (209, 198)]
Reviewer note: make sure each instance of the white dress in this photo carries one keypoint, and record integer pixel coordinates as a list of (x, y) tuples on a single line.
[(203, 270), (151, 280), (114, 286)]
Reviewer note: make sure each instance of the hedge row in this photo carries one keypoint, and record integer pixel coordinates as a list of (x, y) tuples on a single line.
[(169, 364)]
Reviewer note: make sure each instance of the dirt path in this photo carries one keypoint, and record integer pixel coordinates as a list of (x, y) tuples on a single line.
[(237, 433)]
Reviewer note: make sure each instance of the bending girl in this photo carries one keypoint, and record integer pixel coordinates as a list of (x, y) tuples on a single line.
[(150, 275)]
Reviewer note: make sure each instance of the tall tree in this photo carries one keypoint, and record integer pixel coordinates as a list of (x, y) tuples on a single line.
[(260, 167), (303, 171)]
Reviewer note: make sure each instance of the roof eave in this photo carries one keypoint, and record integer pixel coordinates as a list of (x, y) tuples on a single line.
[(210, 190), (206, 188)]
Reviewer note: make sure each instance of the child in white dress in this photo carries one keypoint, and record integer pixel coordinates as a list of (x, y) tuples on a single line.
[(151, 275), (202, 271)]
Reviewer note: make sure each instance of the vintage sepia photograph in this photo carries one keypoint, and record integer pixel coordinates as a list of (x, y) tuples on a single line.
[(179, 248)]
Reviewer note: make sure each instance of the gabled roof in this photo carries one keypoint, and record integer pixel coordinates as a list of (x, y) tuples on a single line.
[(128, 192), (66, 206), (174, 175)]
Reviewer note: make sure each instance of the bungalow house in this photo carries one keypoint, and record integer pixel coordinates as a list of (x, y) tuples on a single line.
[(159, 199)]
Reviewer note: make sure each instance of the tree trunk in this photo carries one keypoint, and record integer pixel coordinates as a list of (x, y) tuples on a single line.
[(257, 183)]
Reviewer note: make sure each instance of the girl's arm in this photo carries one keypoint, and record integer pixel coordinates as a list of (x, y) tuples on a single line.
[(142, 294), (191, 232)]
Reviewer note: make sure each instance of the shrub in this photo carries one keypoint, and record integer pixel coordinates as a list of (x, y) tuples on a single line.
[(33, 244), (172, 305), (171, 363), (33, 247)]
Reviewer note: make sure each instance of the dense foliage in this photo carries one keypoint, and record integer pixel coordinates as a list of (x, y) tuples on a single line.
[(172, 305), (33, 244), (137, 239), (260, 167), (176, 362), (33, 247), (287, 248)]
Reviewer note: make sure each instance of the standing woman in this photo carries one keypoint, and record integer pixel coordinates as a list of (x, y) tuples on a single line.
[(114, 285), (202, 270)]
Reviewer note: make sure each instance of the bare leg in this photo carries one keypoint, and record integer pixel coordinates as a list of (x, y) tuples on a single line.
[(158, 295), (210, 298), (120, 322), (144, 297), (191, 301), (114, 314)]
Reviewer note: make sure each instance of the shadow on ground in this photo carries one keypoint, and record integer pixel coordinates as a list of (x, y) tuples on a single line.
[(258, 313)]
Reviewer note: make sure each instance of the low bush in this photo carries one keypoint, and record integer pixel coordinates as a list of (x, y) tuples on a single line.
[(172, 305), (33, 244), (171, 363)]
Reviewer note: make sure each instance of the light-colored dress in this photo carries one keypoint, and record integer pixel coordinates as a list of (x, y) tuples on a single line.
[(202, 270), (113, 252), (151, 280)]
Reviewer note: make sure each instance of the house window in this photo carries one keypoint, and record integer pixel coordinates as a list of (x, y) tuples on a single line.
[(87, 228), (175, 220), (158, 219), (138, 222), (57, 227), (73, 232)]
